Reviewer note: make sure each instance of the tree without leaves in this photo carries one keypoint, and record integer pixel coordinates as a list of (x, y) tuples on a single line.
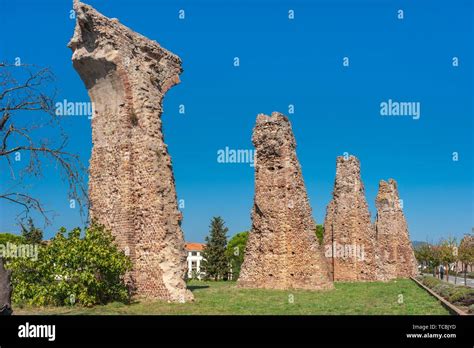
[(215, 261), (26, 90)]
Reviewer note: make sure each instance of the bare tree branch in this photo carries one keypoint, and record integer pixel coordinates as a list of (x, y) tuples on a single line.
[(27, 202), (27, 107)]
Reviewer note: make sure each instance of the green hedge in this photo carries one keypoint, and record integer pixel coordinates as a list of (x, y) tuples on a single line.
[(431, 282), (468, 274), (460, 295)]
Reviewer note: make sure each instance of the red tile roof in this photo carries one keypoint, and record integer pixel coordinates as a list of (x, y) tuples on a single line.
[(194, 246)]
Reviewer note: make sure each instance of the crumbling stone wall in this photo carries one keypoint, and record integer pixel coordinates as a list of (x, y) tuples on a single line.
[(5, 290), (349, 238), (131, 183), (282, 251), (395, 256)]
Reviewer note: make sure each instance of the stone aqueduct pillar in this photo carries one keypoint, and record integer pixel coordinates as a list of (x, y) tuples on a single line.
[(358, 250), (349, 237), (131, 184), (395, 256), (282, 250)]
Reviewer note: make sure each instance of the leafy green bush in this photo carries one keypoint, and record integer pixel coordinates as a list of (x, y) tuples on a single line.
[(445, 290), (471, 308), (72, 270), (462, 295), (431, 282)]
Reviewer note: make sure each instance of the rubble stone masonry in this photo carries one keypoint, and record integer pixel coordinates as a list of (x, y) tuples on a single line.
[(349, 237), (131, 184), (395, 256), (282, 251)]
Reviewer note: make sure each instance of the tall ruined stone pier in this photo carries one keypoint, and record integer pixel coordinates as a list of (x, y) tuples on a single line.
[(131, 184), (395, 256), (5, 290), (282, 251), (349, 238)]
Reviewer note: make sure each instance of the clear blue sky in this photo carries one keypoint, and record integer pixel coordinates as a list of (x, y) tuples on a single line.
[(284, 62)]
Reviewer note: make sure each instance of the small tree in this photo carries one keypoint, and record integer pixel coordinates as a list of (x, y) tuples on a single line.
[(236, 251), (466, 253), (320, 233), (31, 233), (215, 262), (448, 253), (434, 257), (422, 254)]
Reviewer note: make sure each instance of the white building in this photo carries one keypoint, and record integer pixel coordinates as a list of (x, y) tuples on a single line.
[(194, 259)]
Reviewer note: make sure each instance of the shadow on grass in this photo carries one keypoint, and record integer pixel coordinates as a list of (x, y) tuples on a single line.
[(196, 287)]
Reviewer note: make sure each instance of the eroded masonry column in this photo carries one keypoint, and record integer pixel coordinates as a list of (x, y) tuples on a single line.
[(131, 184), (5, 290), (282, 251), (349, 238), (395, 256)]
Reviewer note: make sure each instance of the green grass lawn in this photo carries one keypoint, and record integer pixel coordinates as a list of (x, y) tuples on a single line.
[(226, 298)]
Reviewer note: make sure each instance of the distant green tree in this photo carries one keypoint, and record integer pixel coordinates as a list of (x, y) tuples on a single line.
[(422, 254), (235, 252), (11, 238), (429, 255), (448, 253), (31, 233), (434, 257), (320, 233), (215, 263), (466, 253)]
